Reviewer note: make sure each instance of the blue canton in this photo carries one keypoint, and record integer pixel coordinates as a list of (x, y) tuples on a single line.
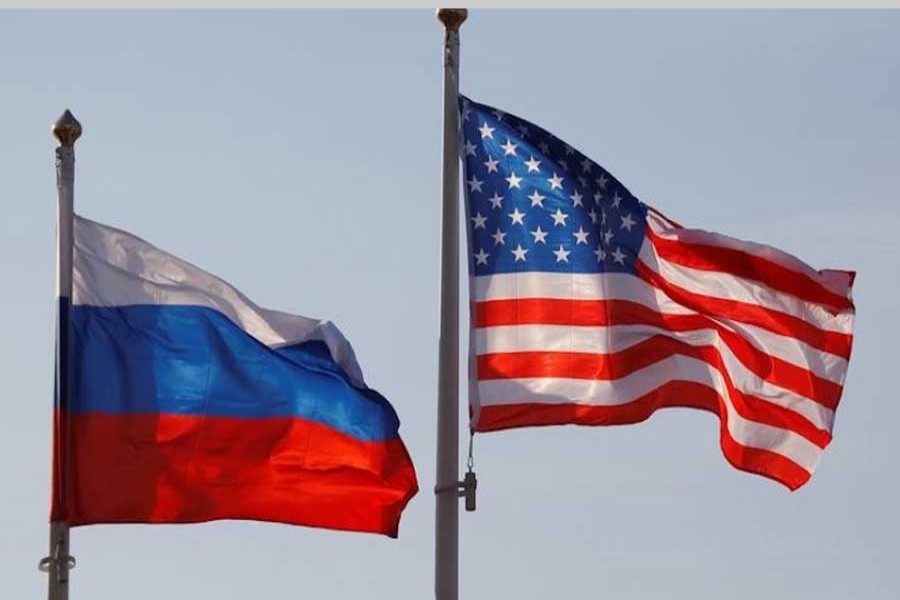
[(534, 203)]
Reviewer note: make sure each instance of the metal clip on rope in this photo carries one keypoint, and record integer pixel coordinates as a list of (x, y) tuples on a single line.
[(464, 489), (467, 487), (48, 561)]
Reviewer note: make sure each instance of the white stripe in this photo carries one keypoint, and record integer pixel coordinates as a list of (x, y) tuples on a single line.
[(730, 287), (797, 352), (618, 286), (574, 286), (607, 340), (114, 268), (838, 282), (622, 391), (582, 339)]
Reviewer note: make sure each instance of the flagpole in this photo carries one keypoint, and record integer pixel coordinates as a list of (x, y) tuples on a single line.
[(446, 555), (66, 129)]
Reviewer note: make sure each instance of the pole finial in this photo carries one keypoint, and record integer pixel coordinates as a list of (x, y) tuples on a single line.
[(452, 18), (67, 129)]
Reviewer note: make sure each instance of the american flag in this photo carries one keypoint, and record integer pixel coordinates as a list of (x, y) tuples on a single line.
[(590, 307)]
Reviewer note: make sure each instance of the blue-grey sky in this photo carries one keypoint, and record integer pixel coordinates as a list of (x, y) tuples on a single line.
[(297, 154)]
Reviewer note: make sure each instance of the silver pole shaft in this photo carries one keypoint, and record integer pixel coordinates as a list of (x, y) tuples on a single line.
[(446, 555), (67, 130), (58, 571)]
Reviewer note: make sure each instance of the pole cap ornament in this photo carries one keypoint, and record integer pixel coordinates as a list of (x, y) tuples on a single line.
[(452, 18), (67, 129)]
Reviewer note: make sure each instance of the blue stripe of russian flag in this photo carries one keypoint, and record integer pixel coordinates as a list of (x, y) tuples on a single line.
[(192, 360)]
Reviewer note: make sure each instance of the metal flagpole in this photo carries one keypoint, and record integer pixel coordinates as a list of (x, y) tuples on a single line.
[(446, 555), (67, 129)]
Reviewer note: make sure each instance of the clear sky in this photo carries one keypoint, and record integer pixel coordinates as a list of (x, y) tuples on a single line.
[(297, 154)]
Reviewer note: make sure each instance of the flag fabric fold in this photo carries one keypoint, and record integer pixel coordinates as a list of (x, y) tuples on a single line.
[(590, 307), (190, 403)]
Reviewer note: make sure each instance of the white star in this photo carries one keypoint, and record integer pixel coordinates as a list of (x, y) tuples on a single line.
[(479, 221), (586, 165), (509, 149), (545, 149), (499, 237), (598, 197), (602, 181), (540, 237), (601, 253), (519, 253), (496, 200), (555, 181), (582, 181), (523, 131), (533, 165), (537, 199), (581, 236), (474, 184), (564, 164), (517, 217), (616, 200), (603, 217), (627, 222), (467, 110), (499, 114), (514, 181), (607, 236), (486, 131), (481, 257), (570, 150), (559, 218), (491, 164), (562, 255), (618, 256), (576, 198), (593, 215), (470, 148)]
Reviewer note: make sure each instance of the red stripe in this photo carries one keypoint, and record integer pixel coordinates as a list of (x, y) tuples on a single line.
[(708, 257), (554, 311), (604, 313), (148, 468), (607, 367), (672, 394), (59, 469), (769, 319)]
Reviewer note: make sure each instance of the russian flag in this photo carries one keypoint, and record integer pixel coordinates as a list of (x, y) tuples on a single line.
[(189, 403)]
